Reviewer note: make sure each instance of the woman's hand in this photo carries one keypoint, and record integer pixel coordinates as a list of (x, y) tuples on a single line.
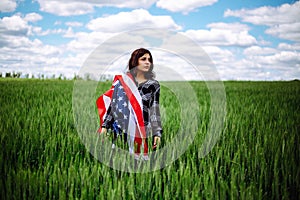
[(103, 131), (156, 142)]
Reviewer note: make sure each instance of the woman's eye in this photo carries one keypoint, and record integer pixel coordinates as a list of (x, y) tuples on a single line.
[(143, 59)]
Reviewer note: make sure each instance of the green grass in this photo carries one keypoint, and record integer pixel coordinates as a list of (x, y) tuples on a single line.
[(256, 157)]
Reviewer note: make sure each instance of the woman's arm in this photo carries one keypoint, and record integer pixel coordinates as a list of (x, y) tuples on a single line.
[(155, 113), (108, 120)]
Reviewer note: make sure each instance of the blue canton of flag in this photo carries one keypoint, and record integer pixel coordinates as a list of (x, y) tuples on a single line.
[(120, 108)]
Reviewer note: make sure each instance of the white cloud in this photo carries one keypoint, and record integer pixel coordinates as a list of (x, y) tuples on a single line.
[(135, 19), (183, 6), (222, 34), (14, 23), (18, 26), (20, 53), (290, 47), (74, 24), (21, 46), (40, 32), (57, 23), (267, 15), (260, 68), (234, 27), (264, 63), (85, 42), (286, 31), (125, 4), (77, 7), (8, 5), (257, 50), (281, 63), (65, 8), (33, 17), (284, 21), (27, 56), (280, 58), (218, 55)]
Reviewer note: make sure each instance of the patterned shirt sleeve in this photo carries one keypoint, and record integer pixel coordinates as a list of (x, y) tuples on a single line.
[(155, 113), (108, 120)]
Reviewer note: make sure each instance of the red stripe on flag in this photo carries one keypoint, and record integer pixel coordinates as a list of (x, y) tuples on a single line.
[(102, 107)]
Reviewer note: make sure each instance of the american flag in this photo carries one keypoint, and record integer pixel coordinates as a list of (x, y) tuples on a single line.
[(135, 127)]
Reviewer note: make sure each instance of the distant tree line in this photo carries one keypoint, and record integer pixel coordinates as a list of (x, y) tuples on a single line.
[(11, 75), (87, 76)]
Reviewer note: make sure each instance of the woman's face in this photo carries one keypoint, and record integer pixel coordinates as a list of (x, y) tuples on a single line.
[(144, 63)]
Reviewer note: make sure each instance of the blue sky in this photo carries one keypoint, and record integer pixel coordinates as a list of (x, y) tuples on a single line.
[(245, 39)]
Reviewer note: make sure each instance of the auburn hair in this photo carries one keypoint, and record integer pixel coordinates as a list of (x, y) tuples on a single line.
[(134, 61)]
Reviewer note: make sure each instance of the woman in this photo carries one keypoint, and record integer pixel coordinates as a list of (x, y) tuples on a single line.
[(118, 114)]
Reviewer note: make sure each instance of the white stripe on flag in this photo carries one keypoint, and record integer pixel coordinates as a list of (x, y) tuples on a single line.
[(106, 101), (133, 89), (131, 130), (129, 82)]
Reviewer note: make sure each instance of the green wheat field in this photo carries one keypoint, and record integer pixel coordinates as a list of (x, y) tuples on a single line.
[(256, 157)]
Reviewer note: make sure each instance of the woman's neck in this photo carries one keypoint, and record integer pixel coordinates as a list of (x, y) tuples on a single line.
[(140, 77)]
